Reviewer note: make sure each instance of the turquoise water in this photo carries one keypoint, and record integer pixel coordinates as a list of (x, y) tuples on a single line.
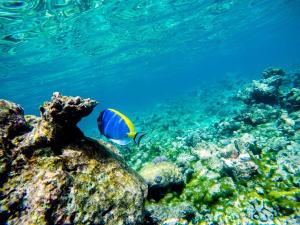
[(175, 67), (132, 54)]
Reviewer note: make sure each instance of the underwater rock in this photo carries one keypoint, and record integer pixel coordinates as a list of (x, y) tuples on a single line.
[(160, 214), (32, 120), (229, 151), (57, 124), (12, 123), (192, 139), (66, 110), (227, 127), (289, 159), (248, 144), (265, 90), (184, 159), (209, 156), (239, 163), (205, 150), (296, 78), (245, 163), (277, 144), (286, 120), (184, 162), (270, 72), (67, 178), (257, 114), (241, 168), (159, 159), (292, 100), (162, 177), (259, 210), (12, 120)]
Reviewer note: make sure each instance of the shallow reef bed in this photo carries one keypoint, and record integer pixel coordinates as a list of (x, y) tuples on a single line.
[(238, 150)]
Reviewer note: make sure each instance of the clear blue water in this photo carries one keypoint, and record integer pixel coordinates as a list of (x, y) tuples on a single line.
[(131, 55)]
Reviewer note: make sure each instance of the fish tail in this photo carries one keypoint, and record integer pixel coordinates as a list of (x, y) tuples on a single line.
[(137, 138)]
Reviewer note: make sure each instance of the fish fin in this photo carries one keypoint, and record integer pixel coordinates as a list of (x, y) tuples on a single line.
[(99, 122), (137, 138), (121, 142), (131, 135)]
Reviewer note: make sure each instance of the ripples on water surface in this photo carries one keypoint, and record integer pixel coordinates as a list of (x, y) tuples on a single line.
[(71, 45)]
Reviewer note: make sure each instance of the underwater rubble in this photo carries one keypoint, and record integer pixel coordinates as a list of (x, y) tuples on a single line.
[(52, 174), (243, 167)]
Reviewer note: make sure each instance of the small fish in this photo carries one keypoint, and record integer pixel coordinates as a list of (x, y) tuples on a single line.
[(117, 127)]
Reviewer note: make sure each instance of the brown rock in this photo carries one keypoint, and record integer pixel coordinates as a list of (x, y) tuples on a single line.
[(59, 176)]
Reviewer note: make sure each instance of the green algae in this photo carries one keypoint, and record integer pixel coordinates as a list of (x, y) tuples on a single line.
[(230, 202), (202, 191), (224, 203), (288, 201)]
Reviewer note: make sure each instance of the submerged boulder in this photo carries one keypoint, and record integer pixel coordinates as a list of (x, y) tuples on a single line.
[(292, 100), (12, 120), (162, 177), (241, 168), (12, 123), (271, 72), (265, 90), (257, 114), (53, 174)]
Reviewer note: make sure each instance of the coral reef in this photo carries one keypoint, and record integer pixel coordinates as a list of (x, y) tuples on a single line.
[(265, 90), (239, 166), (219, 155), (52, 174)]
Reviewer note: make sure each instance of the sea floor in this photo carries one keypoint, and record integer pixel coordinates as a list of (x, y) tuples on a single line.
[(226, 153)]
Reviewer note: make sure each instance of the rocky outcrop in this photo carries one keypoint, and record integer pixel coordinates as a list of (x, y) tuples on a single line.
[(257, 114), (12, 120), (52, 174), (292, 100), (12, 123), (264, 90)]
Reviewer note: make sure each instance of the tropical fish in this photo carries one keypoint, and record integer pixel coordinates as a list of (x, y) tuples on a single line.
[(117, 127)]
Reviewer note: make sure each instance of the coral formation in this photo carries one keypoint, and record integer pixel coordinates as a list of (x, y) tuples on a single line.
[(11, 120), (53, 174), (161, 177), (243, 163), (265, 90)]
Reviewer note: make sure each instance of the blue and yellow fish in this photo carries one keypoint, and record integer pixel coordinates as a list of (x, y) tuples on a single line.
[(117, 127)]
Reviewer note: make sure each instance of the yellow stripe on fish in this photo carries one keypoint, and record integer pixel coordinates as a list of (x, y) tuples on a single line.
[(130, 125)]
